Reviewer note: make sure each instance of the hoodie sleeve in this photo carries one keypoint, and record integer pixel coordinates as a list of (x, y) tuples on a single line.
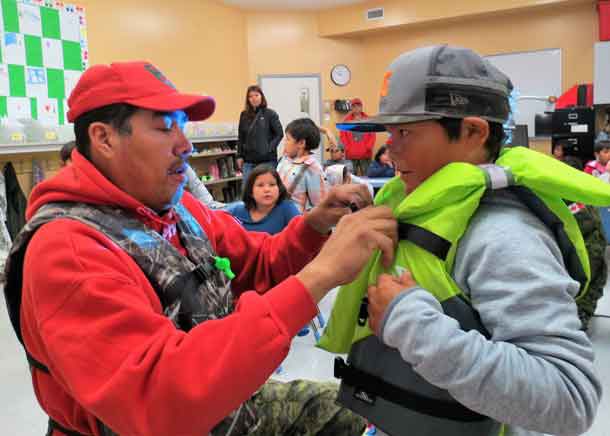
[(92, 317), (259, 260)]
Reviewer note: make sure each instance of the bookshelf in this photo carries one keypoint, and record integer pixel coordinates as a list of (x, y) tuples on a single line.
[(214, 161)]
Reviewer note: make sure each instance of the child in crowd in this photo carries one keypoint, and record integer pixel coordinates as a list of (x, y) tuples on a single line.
[(336, 150), (382, 165), (598, 167), (558, 151), (65, 153), (266, 204), (604, 133), (340, 175), (299, 169)]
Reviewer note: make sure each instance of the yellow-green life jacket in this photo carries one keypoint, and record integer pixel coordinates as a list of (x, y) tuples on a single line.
[(444, 205)]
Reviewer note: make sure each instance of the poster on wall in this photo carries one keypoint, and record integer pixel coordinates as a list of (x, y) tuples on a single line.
[(43, 52)]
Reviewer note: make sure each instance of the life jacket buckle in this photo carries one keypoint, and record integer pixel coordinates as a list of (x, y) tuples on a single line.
[(363, 315), (340, 368)]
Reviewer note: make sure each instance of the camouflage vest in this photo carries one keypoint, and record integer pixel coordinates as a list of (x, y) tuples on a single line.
[(190, 288)]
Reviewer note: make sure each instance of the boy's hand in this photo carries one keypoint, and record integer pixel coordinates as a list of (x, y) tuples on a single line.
[(381, 295)]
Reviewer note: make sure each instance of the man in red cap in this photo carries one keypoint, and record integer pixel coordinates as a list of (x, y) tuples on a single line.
[(358, 145), (119, 284)]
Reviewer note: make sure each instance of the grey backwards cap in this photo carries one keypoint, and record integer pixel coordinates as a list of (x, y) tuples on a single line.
[(435, 82)]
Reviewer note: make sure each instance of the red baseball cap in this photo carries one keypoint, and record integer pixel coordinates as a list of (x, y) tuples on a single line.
[(140, 84), (356, 101)]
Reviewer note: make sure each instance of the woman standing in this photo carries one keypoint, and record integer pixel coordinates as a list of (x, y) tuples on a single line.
[(260, 132)]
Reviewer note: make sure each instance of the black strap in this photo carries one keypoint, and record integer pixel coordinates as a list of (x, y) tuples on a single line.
[(425, 239), (54, 425), (36, 364), (410, 400)]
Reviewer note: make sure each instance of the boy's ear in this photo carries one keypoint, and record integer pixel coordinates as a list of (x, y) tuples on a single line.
[(475, 129)]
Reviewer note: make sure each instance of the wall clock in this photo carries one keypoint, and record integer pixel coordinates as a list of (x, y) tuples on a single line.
[(340, 75)]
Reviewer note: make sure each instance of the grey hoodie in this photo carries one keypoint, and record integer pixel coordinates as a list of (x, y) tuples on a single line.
[(536, 372)]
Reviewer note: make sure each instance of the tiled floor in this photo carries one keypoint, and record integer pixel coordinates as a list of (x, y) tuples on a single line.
[(21, 416)]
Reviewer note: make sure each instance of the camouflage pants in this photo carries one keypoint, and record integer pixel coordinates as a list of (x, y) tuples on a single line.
[(589, 223), (303, 408)]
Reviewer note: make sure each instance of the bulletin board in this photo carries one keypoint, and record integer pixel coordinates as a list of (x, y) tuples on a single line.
[(534, 74), (43, 52)]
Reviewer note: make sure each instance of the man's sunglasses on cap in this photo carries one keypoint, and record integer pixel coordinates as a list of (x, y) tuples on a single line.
[(179, 118)]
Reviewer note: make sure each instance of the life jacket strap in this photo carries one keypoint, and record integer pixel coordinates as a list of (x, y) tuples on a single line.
[(36, 364), (54, 425), (431, 242), (368, 387)]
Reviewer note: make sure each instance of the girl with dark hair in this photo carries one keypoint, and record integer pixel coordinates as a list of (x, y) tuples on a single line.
[(382, 165), (266, 204), (66, 152), (259, 133)]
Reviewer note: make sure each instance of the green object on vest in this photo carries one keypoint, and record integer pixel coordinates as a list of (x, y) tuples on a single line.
[(444, 205), (223, 264)]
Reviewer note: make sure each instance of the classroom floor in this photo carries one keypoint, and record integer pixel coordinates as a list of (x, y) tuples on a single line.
[(21, 416)]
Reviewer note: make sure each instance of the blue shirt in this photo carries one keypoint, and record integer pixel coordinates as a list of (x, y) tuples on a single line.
[(377, 169), (273, 223)]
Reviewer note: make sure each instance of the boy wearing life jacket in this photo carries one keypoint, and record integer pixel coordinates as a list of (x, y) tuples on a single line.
[(474, 329)]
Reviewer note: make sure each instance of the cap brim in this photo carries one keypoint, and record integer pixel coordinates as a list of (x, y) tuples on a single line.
[(378, 122), (197, 107)]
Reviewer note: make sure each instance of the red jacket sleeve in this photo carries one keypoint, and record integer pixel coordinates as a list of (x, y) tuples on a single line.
[(259, 260), (92, 317)]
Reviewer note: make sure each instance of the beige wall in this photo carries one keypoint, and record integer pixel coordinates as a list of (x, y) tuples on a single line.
[(572, 28), (200, 45), (204, 46), (288, 43), (512, 32), (352, 19)]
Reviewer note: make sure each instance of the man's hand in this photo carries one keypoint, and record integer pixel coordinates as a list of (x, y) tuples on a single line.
[(336, 204), (348, 249), (381, 295), (240, 163)]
